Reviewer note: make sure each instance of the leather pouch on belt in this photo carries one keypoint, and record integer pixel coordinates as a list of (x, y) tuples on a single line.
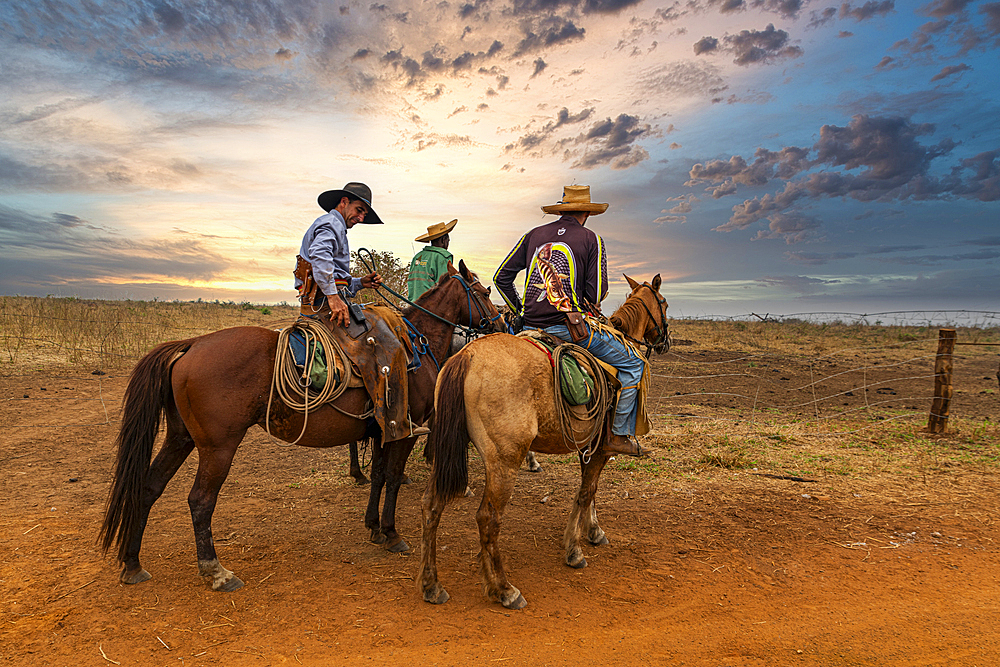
[(577, 326)]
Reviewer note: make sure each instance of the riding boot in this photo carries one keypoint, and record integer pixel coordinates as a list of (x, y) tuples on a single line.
[(623, 444)]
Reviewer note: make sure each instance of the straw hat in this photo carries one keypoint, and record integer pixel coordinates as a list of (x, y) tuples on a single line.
[(576, 198), (437, 230), (331, 198)]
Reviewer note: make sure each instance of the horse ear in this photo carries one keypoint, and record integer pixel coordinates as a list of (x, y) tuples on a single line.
[(464, 270), (451, 269), (656, 282), (631, 283)]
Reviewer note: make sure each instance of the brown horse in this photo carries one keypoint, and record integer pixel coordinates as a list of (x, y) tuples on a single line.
[(498, 393), (213, 388)]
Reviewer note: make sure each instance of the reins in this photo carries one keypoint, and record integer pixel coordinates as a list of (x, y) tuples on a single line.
[(469, 331), (661, 343)]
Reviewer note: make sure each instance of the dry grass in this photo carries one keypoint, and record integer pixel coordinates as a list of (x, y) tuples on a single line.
[(811, 338), (113, 334), (742, 435)]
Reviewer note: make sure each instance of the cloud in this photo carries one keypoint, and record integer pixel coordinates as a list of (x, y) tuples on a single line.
[(611, 142), (869, 10), (63, 249), (705, 45), (950, 71), (797, 284), (872, 158), (551, 31), (537, 138), (750, 47)]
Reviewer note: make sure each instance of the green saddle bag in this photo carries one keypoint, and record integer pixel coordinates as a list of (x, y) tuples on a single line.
[(576, 384)]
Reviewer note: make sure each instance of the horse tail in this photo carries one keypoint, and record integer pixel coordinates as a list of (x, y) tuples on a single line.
[(449, 438), (148, 393)]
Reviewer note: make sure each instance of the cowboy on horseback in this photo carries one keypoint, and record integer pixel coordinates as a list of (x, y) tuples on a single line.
[(325, 285), (566, 277)]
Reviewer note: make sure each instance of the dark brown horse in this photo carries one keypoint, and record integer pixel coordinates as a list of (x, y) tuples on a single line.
[(498, 393), (211, 389)]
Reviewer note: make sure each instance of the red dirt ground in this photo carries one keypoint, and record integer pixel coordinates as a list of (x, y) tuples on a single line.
[(715, 568)]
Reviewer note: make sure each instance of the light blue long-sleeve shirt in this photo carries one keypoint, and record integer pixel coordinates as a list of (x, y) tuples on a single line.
[(325, 247)]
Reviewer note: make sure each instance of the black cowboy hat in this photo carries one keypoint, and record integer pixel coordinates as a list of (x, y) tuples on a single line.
[(331, 198)]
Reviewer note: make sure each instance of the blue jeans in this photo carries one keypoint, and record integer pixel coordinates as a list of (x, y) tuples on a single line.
[(613, 352)]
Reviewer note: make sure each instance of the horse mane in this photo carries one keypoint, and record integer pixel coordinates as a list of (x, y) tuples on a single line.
[(409, 310), (629, 315)]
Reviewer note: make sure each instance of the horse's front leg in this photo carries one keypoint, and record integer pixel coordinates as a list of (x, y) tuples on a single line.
[(213, 468), (583, 516), (375, 492), (395, 474)]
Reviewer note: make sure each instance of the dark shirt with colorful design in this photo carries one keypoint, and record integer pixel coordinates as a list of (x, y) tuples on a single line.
[(565, 266)]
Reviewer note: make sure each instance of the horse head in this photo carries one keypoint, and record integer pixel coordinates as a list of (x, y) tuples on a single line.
[(477, 312), (647, 300)]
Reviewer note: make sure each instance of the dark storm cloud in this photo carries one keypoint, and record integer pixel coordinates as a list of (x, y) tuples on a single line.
[(786, 8), (868, 10), (822, 17), (548, 32), (536, 138), (751, 46), (611, 142), (991, 10), (705, 45), (949, 71), (871, 159), (585, 6), (65, 249), (942, 8)]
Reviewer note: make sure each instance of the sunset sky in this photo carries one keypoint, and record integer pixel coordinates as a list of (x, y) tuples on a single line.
[(778, 156)]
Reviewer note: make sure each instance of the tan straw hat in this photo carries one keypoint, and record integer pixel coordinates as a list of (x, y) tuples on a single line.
[(576, 198), (437, 230)]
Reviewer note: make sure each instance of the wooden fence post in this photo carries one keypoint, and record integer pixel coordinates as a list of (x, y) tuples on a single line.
[(938, 421)]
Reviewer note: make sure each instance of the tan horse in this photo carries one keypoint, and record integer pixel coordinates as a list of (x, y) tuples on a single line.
[(498, 393)]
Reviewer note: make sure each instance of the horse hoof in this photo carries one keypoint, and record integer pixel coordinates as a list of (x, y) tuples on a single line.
[(362, 481), (601, 541), (234, 583), (398, 547), (436, 595), (576, 560), (517, 603), (135, 577), (468, 492), (378, 537), (406, 480)]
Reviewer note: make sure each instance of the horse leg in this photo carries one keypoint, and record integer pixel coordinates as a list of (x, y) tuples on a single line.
[(375, 492), (499, 486), (431, 508), (395, 475), (359, 477), (584, 515), (176, 447), (532, 462), (213, 468)]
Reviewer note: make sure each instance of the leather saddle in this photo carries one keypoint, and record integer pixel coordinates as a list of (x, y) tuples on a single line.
[(377, 355)]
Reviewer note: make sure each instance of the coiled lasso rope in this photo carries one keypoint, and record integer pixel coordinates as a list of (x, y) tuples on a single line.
[(583, 440), (292, 385)]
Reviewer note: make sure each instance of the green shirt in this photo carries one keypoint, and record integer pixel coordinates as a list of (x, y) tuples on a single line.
[(426, 269)]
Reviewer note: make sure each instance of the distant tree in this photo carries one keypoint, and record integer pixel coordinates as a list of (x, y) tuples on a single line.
[(393, 270)]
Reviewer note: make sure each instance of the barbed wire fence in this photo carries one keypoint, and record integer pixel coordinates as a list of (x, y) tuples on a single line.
[(746, 372)]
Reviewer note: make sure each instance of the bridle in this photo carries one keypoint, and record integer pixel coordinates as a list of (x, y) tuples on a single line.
[(661, 342)]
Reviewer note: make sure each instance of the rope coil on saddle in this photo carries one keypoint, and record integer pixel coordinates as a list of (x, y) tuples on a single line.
[(293, 385), (583, 440)]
